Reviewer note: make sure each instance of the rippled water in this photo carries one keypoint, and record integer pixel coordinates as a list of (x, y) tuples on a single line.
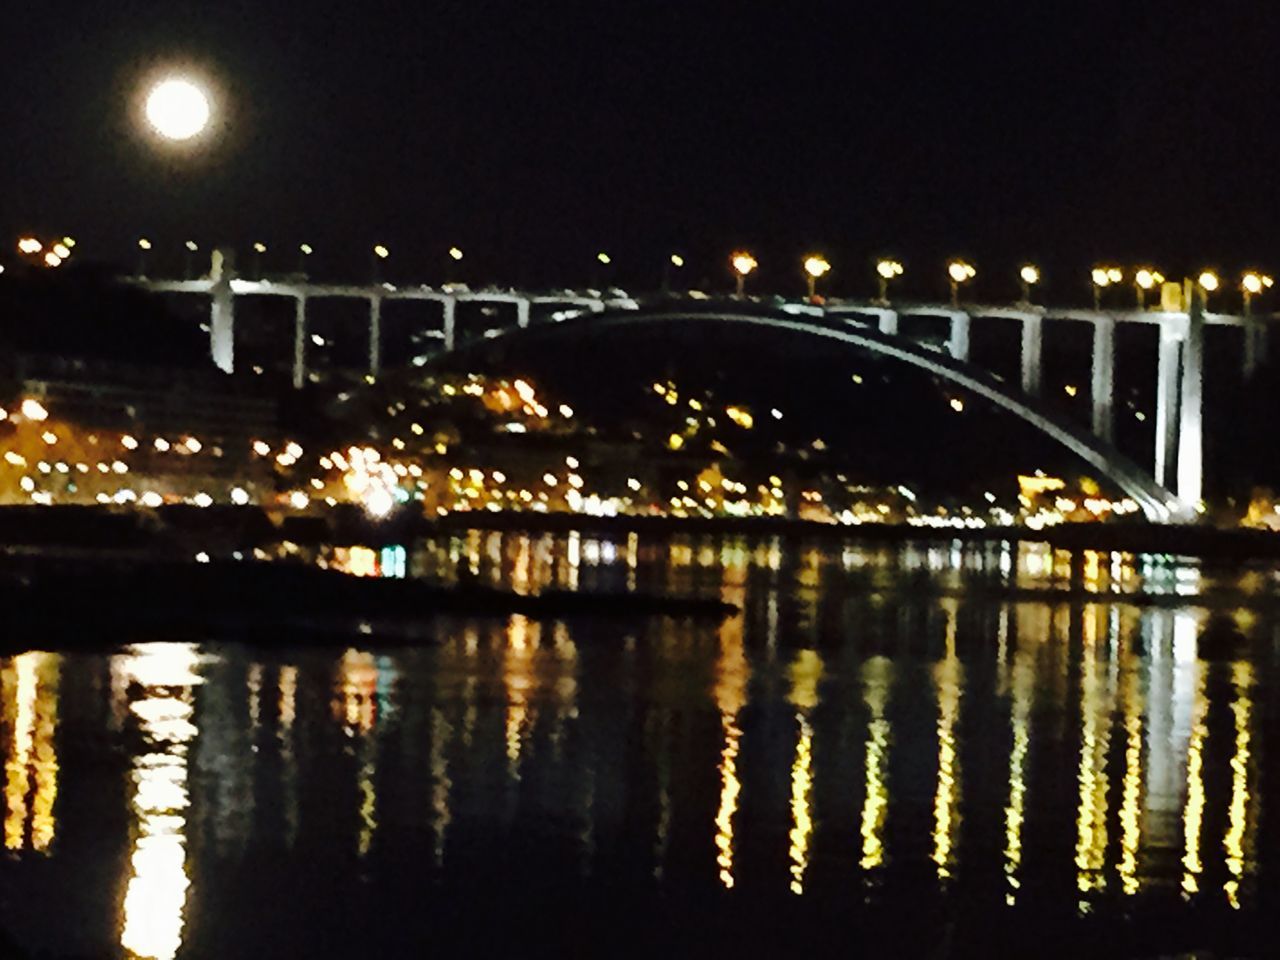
[(887, 742)]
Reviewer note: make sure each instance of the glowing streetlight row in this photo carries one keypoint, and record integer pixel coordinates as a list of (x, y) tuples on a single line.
[(54, 255)]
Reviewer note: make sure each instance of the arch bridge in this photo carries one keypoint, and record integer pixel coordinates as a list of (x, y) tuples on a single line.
[(1171, 491)]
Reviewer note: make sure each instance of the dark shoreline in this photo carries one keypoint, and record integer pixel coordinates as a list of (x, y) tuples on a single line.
[(179, 530)]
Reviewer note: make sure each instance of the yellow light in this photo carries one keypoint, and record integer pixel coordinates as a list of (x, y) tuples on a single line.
[(959, 271), (816, 266), (957, 405), (455, 253), (889, 269), (69, 242), (677, 260), (51, 259), (144, 244), (1114, 274), (30, 245), (743, 263), (1100, 277), (192, 246), (259, 248), (1147, 278), (603, 258), (675, 441), (1029, 274), (33, 410), (381, 252), (1256, 282), (1209, 281), (178, 109), (306, 249), (62, 250)]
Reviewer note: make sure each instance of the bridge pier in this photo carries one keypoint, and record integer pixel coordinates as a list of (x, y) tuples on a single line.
[(1191, 409), (887, 322), (450, 323), (222, 312), (522, 313), (1103, 379), (1032, 353), (375, 335), (299, 342), (1168, 386), (958, 343)]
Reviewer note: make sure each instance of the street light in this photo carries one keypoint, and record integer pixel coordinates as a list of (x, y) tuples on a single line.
[(304, 250), (887, 270), (604, 258), (1253, 284), (676, 261), (144, 245), (1104, 277), (743, 263), (380, 253), (258, 250), (1030, 276), (1144, 280), (455, 253), (959, 272), (192, 247), (30, 245), (815, 266), (1208, 281)]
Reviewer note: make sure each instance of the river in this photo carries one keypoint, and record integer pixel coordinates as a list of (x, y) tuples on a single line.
[(938, 748)]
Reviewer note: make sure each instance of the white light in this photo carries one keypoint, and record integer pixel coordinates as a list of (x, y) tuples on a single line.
[(299, 500), (193, 444), (152, 499), (178, 109), (239, 496), (202, 500), (33, 410), (379, 502), (162, 444)]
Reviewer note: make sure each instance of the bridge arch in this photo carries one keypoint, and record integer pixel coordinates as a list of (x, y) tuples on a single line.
[(1157, 503)]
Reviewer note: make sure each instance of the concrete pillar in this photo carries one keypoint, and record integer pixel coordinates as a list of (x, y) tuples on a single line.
[(958, 344), (1168, 384), (1102, 384), (450, 323), (1032, 354), (300, 343), (522, 313), (1191, 409), (222, 314), (1255, 344), (375, 335), (889, 323)]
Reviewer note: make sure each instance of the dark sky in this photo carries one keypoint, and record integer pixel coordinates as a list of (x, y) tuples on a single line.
[(534, 134)]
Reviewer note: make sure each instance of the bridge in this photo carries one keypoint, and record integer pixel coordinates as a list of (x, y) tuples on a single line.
[(1170, 491)]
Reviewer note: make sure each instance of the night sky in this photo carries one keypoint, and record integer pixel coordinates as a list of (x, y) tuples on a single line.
[(535, 134)]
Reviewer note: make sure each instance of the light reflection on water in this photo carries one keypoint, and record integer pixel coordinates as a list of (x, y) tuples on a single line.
[(861, 727)]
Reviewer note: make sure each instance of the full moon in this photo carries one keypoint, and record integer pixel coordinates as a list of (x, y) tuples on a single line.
[(177, 109)]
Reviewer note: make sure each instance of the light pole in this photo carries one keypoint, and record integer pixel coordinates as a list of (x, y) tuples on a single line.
[(958, 271), (1208, 283), (258, 250), (1104, 277), (743, 263), (815, 266), (1030, 276), (1144, 280), (1253, 284), (304, 250), (144, 245), (887, 270), (188, 258), (380, 253)]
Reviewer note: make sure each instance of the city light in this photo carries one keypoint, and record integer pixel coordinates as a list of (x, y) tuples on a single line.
[(1029, 274), (51, 259), (144, 243), (1147, 278), (1255, 283), (192, 246), (62, 250), (816, 266), (960, 272), (1208, 281), (604, 258), (30, 245), (888, 269), (178, 109), (259, 248), (381, 252), (306, 249), (455, 253), (33, 410), (677, 260)]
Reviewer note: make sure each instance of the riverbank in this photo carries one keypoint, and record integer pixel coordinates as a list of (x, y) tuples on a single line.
[(177, 530)]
